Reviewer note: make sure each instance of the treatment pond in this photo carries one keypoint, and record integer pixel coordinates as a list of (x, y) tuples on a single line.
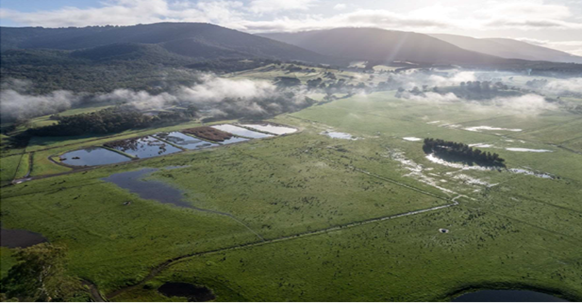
[(92, 156)]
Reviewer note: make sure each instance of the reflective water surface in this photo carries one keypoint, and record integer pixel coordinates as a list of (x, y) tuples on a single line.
[(92, 156)]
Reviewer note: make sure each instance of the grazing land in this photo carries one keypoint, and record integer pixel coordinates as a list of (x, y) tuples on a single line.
[(307, 217)]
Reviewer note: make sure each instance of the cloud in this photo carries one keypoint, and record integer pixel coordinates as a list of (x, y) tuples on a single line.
[(269, 6), (528, 105), (431, 97), (219, 96), (18, 105), (563, 86), (274, 15)]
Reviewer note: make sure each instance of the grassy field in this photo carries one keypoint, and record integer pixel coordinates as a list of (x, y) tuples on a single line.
[(313, 199), (13, 167)]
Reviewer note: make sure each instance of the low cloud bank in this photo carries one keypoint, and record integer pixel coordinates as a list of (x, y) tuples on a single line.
[(16, 103), (528, 105), (216, 96)]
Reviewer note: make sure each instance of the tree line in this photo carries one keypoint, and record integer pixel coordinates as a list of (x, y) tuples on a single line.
[(461, 151), (109, 120)]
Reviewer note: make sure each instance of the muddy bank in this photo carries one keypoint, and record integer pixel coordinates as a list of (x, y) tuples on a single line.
[(192, 292), (13, 238)]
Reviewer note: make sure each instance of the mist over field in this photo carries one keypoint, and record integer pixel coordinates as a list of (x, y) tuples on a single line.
[(218, 96)]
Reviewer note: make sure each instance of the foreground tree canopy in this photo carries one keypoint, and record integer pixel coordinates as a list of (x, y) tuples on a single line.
[(40, 276)]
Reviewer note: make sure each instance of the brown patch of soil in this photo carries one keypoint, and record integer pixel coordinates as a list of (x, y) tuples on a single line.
[(209, 133)]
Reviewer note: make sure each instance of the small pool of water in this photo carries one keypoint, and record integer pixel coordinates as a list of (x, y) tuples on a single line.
[(192, 292), (184, 140), (234, 140), (338, 135), (144, 147), (519, 149), (239, 131), (148, 189), (489, 295), (92, 156), (273, 129), (13, 238)]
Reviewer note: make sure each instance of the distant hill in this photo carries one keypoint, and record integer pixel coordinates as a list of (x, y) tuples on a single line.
[(508, 48), (197, 40), (382, 45)]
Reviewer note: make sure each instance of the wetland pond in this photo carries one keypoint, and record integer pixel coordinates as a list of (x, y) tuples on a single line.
[(144, 147), (184, 140), (239, 131), (489, 295), (192, 292), (13, 238), (338, 135), (92, 156), (148, 189)]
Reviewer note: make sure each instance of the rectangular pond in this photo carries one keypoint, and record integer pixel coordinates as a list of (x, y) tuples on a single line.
[(92, 156), (240, 131), (272, 129), (184, 140), (144, 147)]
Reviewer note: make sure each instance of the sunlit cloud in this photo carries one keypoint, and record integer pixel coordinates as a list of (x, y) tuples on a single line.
[(299, 15), (269, 6)]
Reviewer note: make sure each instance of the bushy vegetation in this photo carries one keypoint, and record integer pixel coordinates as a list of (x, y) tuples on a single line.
[(109, 120), (40, 275), (460, 152)]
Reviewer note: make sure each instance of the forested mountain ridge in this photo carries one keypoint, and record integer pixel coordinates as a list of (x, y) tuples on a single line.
[(199, 40), (508, 48), (382, 46)]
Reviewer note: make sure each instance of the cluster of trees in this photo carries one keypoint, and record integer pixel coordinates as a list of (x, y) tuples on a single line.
[(40, 275), (109, 120), (231, 65), (294, 68), (287, 81), (460, 151)]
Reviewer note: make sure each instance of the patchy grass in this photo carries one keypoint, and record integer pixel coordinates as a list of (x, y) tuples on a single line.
[(518, 232)]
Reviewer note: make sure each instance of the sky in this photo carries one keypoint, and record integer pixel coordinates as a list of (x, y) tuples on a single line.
[(551, 23)]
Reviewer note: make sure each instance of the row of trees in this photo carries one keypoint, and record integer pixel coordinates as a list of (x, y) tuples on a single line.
[(460, 151), (109, 120)]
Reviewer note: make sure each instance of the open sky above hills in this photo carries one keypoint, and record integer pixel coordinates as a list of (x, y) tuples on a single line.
[(552, 23)]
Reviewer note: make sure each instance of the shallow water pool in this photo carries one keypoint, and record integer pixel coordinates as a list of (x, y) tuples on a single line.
[(92, 156)]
